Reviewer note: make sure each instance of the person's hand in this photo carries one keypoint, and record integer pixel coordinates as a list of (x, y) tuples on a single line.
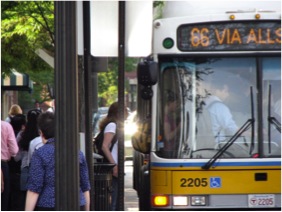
[(115, 171)]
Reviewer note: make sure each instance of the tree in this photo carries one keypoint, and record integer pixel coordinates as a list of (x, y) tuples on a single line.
[(26, 27), (108, 81)]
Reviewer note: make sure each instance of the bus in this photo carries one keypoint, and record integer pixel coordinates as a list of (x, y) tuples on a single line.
[(209, 108)]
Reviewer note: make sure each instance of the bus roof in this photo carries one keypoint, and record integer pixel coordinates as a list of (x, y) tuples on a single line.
[(202, 7)]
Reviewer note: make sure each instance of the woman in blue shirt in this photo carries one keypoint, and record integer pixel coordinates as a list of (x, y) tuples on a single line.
[(41, 183)]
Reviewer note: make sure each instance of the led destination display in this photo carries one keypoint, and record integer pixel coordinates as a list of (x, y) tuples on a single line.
[(230, 36)]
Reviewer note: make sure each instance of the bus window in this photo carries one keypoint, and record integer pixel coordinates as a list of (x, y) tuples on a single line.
[(225, 106), (272, 105), (215, 92)]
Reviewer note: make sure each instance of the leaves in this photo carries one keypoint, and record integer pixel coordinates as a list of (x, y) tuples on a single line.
[(29, 25), (35, 20), (108, 81), (25, 27)]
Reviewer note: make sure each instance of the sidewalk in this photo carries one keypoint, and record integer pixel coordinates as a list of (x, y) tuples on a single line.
[(130, 195)]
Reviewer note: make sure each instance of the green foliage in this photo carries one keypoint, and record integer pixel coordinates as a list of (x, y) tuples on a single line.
[(108, 81), (158, 7), (25, 27), (158, 4), (29, 25), (33, 19)]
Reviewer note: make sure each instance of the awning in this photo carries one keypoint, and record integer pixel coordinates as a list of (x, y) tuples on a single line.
[(16, 81)]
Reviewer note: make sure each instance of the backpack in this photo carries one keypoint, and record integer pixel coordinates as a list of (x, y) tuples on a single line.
[(98, 142)]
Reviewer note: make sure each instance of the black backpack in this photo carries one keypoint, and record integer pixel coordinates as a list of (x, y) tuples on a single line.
[(98, 142)]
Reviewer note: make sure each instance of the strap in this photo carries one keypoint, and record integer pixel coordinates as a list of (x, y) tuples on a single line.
[(114, 140)]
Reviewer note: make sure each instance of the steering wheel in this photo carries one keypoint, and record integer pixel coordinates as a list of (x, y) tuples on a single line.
[(241, 149)]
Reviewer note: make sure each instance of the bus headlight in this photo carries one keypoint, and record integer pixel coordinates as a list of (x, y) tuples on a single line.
[(198, 200), (180, 200)]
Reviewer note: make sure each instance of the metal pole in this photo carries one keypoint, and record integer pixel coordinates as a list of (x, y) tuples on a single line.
[(121, 64), (88, 97), (259, 105), (66, 116)]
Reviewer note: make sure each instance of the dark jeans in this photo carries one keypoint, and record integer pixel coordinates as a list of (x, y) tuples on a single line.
[(16, 202), (5, 194), (114, 193), (16, 199)]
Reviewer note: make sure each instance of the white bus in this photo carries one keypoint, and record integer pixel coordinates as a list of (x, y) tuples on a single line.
[(209, 105)]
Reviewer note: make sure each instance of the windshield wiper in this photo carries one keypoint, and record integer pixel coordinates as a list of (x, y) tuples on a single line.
[(248, 123), (271, 120), (245, 127), (275, 122)]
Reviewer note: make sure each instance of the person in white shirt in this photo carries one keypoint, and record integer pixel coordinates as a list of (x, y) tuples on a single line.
[(110, 145), (222, 123)]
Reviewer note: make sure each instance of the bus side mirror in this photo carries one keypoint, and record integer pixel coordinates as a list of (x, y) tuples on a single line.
[(147, 73)]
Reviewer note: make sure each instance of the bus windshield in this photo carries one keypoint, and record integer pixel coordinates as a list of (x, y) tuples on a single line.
[(209, 105)]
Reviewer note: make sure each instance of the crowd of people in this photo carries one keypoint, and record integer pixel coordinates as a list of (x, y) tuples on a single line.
[(28, 159)]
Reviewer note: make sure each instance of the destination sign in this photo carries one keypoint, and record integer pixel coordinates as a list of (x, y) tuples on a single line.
[(230, 36)]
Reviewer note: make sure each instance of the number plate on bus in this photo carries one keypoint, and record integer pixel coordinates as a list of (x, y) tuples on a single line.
[(261, 200)]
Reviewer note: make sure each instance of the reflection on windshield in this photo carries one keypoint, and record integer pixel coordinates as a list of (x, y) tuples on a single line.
[(170, 114), (203, 104), (272, 102)]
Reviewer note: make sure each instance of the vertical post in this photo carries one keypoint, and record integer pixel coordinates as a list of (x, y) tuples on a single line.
[(121, 58), (88, 97), (259, 105), (66, 116)]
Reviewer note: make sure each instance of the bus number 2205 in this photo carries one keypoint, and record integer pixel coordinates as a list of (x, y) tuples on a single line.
[(193, 182)]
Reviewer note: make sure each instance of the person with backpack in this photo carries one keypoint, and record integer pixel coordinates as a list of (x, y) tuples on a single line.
[(109, 146)]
